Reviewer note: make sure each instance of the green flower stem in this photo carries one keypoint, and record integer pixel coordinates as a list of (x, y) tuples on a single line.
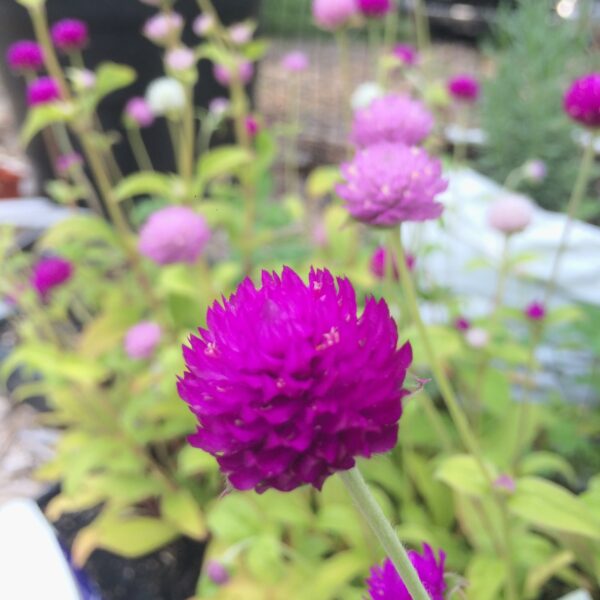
[(188, 140), (577, 195), (456, 413), (383, 530), (343, 44), (138, 147), (422, 27)]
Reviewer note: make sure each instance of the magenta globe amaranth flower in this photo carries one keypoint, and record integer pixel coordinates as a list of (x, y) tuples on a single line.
[(217, 572), (295, 62), (582, 100), (375, 8), (510, 214), (70, 34), (175, 234), (290, 384), (464, 88), (333, 14), (535, 311), (252, 126), (142, 339), (380, 263), (388, 184), (25, 55), (43, 91), (67, 163), (392, 118), (407, 54), (138, 112), (462, 324), (50, 273), (224, 74), (386, 584)]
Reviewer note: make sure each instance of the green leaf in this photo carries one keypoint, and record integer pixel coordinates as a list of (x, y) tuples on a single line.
[(462, 473), (147, 183), (264, 558), (549, 506), (111, 77), (181, 509), (322, 181), (538, 577), (486, 575), (131, 538), (225, 160), (547, 463), (342, 520), (80, 227), (65, 193), (337, 572), (191, 461), (42, 116)]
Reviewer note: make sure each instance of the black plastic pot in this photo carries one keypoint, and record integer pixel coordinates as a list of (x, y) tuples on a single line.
[(168, 574), (115, 28)]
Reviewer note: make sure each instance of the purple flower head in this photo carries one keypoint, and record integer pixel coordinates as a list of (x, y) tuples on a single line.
[(219, 106), (252, 126), (462, 324), (582, 100), (163, 27), (25, 56), (181, 58), (142, 339), (392, 118), (203, 25), (223, 74), (217, 572), (290, 385), (388, 184), (295, 62), (42, 91), (375, 8), (407, 54), (67, 162), (379, 263), (506, 484), (70, 34), (535, 170), (333, 14), (510, 214), (536, 311), (138, 112), (241, 33), (386, 584), (464, 88), (174, 234), (50, 273), (477, 338)]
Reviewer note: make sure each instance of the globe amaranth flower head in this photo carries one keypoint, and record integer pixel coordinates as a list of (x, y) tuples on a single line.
[(388, 184), (464, 88), (175, 234), (333, 14), (582, 100), (535, 311), (407, 54), (295, 61), (392, 118), (25, 55), (163, 28), (386, 584), (138, 112), (290, 385), (67, 163), (70, 34), (180, 58), (50, 273), (380, 263), (165, 95), (142, 339), (510, 214), (43, 91), (375, 8), (223, 74)]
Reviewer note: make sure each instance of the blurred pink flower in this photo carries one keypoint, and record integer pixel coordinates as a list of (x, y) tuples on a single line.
[(375, 8), (138, 111), (464, 88), (333, 14), (535, 311), (224, 76), (66, 162), (163, 27), (295, 61), (70, 34), (510, 214), (50, 273), (407, 54), (42, 91), (203, 25), (582, 100), (25, 55), (142, 339), (379, 263), (180, 58), (241, 33)]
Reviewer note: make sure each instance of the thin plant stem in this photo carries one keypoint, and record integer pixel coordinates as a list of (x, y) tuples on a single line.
[(188, 138), (456, 412), (138, 147), (579, 189), (422, 27), (343, 44), (383, 530)]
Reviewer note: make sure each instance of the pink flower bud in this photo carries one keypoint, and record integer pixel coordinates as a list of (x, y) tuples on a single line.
[(510, 214)]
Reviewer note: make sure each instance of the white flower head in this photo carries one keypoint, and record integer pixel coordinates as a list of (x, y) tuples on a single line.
[(165, 95)]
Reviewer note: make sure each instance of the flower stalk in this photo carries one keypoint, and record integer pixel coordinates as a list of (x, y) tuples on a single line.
[(383, 530)]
